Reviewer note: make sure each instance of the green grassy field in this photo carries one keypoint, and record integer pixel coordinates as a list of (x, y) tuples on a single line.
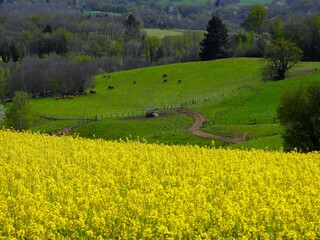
[(161, 33), (229, 92), (199, 80)]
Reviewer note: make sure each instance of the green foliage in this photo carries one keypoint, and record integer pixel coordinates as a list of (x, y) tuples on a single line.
[(305, 32), (10, 48), (281, 56), (254, 20), (299, 113), (251, 44), (20, 116), (4, 75), (62, 39), (311, 42), (277, 28), (151, 46), (215, 44)]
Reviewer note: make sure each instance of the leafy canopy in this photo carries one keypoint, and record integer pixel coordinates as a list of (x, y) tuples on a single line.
[(299, 113), (254, 20), (20, 116), (281, 55)]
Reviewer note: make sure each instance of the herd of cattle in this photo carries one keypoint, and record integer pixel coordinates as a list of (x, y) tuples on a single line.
[(110, 87)]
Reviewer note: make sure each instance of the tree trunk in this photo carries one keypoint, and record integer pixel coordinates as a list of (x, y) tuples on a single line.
[(281, 74)]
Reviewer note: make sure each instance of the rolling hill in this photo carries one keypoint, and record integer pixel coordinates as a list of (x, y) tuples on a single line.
[(228, 92)]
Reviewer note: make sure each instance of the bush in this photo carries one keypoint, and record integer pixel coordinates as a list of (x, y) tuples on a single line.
[(20, 116), (281, 55), (299, 113)]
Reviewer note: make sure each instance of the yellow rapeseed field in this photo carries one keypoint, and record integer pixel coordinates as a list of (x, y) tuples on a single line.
[(73, 188)]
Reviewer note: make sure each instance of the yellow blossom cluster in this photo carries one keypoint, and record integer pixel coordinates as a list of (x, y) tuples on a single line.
[(74, 188)]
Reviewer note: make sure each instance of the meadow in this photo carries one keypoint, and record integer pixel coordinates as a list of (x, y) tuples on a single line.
[(228, 92), (199, 80), (74, 188), (161, 33)]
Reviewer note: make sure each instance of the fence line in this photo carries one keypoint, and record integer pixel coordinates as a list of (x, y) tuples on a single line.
[(105, 116), (221, 96), (217, 116), (248, 121)]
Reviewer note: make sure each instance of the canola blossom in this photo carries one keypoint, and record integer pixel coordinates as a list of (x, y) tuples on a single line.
[(74, 188)]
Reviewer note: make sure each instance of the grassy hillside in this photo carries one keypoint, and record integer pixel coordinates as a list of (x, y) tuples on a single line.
[(199, 80), (229, 92), (162, 32)]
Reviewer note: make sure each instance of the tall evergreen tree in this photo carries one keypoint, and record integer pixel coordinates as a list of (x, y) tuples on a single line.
[(215, 44), (132, 28)]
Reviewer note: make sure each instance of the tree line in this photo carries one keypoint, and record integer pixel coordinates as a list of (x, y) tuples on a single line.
[(38, 39), (46, 53)]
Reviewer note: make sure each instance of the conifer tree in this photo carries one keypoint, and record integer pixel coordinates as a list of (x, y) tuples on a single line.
[(132, 28), (215, 44)]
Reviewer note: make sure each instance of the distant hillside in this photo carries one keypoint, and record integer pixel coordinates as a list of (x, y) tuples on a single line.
[(228, 92), (163, 2)]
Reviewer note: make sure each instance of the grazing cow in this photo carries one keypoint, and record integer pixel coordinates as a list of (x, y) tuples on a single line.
[(65, 96), (57, 97), (165, 80), (134, 82), (164, 75), (92, 92), (179, 81), (71, 97), (110, 87)]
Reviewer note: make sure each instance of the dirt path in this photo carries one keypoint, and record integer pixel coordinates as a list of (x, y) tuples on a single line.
[(199, 120)]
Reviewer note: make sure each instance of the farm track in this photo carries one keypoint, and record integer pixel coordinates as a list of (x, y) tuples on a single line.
[(195, 128), (67, 131), (199, 121)]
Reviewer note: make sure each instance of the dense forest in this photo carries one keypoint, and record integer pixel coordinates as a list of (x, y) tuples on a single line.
[(54, 47)]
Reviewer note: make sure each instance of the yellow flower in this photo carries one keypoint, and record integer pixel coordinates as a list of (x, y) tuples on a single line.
[(76, 188)]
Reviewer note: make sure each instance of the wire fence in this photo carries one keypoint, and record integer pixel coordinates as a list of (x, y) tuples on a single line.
[(222, 96), (220, 117), (241, 121)]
